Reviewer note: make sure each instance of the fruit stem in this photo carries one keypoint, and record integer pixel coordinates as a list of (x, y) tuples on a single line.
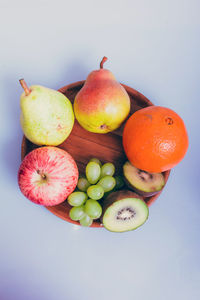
[(25, 87), (104, 59)]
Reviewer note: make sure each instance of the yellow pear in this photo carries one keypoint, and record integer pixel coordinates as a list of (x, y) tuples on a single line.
[(47, 116)]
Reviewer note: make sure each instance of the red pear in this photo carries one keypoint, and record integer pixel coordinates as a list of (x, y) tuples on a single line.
[(102, 104)]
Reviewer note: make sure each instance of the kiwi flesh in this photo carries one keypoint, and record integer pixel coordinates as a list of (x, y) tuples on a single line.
[(124, 211), (142, 182)]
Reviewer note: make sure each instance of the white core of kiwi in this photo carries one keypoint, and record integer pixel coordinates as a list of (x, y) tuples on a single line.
[(133, 212), (152, 181)]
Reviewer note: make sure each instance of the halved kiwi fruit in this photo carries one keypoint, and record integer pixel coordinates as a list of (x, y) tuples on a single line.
[(142, 182), (123, 211)]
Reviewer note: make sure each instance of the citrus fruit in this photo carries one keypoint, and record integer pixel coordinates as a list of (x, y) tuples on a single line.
[(155, 139)]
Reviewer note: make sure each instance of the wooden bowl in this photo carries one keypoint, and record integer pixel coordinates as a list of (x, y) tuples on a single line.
[(83, 145)]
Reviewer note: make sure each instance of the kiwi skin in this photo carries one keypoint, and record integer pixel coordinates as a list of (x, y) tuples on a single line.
[(115, 196), (141, 193)]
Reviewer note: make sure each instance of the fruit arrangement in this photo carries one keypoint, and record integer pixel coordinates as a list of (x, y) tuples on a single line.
[(97, 153)]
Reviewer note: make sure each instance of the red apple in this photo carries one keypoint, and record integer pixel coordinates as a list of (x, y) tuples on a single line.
[(47, 175)]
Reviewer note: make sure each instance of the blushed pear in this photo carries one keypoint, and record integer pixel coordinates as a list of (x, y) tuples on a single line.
[(102, 104)]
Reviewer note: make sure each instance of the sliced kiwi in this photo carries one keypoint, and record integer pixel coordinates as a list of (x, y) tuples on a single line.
[(142, 182), (123, 211)]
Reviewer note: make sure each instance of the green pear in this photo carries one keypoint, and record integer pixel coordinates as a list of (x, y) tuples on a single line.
[(102, 104), (47, 116)]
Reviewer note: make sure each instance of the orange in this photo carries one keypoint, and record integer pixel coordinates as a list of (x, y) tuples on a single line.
[(155, 139)]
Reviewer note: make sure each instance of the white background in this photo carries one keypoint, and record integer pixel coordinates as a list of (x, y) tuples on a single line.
[(152, 46)]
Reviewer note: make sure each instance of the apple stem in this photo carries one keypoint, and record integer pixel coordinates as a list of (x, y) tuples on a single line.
[(104, 59), (25, 87)]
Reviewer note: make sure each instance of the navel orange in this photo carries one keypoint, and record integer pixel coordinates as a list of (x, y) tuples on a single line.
[(155, 139)]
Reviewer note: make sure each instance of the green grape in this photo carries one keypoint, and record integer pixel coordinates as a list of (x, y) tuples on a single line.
[(96, 160), (95, 192), (77, 198), (76, 213), (83, 184), (119, 182), (93, 171), (107, 169), (86, 220), (107, 182), (93, 209)]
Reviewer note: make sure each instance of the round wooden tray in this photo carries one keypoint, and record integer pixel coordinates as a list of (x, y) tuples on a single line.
[(83, 145)]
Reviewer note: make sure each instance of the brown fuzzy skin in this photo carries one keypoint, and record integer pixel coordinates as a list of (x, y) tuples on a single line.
[(116, 196), (141, 193), (131, 186)]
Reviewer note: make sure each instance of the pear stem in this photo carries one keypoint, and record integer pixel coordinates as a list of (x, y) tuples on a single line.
[(25, 87), (104, 59)]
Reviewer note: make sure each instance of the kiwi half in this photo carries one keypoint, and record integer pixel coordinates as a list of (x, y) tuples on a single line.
[(123, 211), (142, 182)]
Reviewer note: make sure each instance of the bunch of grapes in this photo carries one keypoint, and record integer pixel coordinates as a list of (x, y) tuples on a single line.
[(99, 181)]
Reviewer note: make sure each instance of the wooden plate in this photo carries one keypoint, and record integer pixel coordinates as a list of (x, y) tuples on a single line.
[(83, 145)]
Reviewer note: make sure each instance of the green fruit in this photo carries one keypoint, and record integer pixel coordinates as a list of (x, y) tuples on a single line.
[(95, 192), (123, 211), (93, 171), (93, 209), (77, 198), (83, 184), (47, 116), (107, 182), (86, 221), (96, 160), (76, 213), (102, 104), (142, 182), (107, 169)]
